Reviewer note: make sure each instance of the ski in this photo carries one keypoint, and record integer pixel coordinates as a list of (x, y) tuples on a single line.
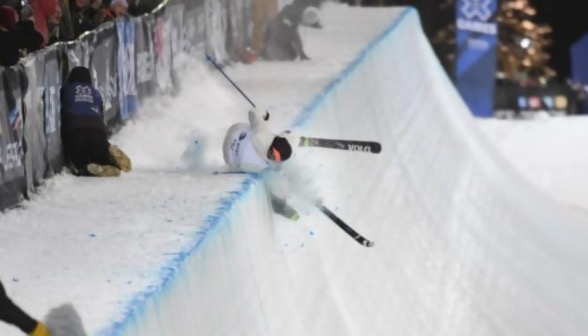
[(350, 231), (350, 145)]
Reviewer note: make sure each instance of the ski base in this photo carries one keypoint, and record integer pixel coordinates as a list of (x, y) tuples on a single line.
[(349, 145), (350, 231)]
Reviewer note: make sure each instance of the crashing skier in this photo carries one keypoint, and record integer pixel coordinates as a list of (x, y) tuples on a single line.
[(251, 148)]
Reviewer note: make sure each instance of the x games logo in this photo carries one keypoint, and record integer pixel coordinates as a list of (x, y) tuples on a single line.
[(480, 9)]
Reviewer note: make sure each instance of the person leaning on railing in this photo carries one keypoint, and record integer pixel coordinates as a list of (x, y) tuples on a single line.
[(17, 38)]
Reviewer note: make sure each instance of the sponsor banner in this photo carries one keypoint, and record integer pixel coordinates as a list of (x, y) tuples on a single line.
[(127, 81), (175, 18), (52, 107), (12, 170), (477, 39), (161, 35), (33, 107), (145, 56), (216, 29), (580, 68), (238, 27), (579, 51), (77, 54), (103, 68)]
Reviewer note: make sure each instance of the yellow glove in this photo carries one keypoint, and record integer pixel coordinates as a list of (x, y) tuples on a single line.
[(40, 330)]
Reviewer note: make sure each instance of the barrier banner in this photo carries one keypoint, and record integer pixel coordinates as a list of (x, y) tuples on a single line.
[(216, 29), (103, 67), (12, 178), (52, 107), (34, 126), (194, 31), (162, 51), (239, 16), (175, 18), (477, 39), (579, 51), (127, 82), (77, 54), (145, 57)]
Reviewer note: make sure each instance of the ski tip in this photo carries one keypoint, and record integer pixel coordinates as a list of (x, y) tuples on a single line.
[(377, 148), (369, 244)]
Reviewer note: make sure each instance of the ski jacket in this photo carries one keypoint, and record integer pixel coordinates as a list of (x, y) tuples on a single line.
[(12, 314), (82, 108), (245, 146)]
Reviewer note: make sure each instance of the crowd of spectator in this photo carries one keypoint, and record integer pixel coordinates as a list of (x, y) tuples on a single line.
[(29, 25)]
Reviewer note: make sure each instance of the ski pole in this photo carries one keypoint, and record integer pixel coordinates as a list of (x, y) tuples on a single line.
[(229, 79)]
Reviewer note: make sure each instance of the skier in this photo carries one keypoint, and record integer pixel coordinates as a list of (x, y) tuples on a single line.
[(83, 130), (282, 40), (251, 148)]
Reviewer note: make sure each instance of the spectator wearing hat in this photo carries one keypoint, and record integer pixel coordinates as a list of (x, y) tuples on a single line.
[(17, 38)]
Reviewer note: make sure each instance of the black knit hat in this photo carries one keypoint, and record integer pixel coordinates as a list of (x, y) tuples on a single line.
[(80, 75), (283, 147)]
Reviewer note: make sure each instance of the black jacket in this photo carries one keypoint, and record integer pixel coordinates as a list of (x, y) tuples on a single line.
[(17, 43), (12, 314)]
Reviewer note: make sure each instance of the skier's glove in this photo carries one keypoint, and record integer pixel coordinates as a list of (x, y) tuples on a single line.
[(40, 330)]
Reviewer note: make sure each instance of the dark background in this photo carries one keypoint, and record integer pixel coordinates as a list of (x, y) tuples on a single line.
[(567, 18)]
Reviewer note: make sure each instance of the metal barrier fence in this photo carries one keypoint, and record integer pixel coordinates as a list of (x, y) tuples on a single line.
[(130, 59)]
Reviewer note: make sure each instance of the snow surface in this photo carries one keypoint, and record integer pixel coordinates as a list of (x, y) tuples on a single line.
[(463, 245)]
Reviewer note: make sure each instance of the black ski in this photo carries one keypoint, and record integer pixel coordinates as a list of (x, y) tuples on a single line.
[(340, 223), (350, 145)]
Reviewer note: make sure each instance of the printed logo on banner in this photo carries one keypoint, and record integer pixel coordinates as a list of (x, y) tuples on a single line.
[(14, 150), (126, 69), (14, 155), (477, 8), (475, 15)]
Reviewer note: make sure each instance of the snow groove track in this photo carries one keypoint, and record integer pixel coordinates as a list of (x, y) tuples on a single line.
[(463, 246)]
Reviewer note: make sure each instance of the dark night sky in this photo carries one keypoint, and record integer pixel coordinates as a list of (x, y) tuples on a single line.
[(568, 18)]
